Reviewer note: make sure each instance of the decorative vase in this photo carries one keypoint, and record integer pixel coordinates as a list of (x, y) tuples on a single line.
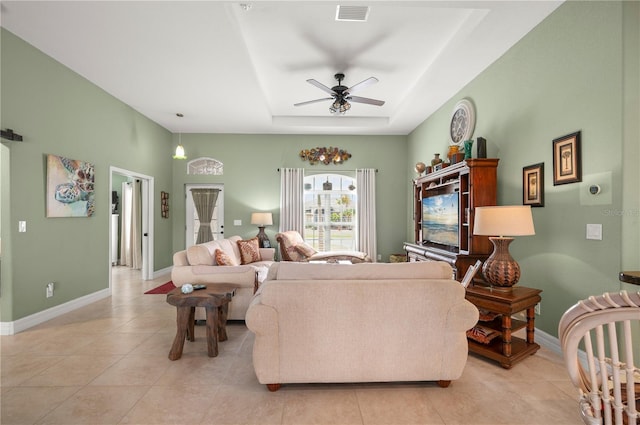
[(482, 147), (468, 144), (453, 149), (436, 159)]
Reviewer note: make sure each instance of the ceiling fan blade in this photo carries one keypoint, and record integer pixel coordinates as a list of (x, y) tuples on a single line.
[(320, 86), (308, 102), (362, 84), (366, 100)]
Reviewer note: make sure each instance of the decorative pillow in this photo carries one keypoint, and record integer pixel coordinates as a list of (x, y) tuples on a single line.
[(487, 316), (249, 250), (223, 259), (305, 249), (482, 334)]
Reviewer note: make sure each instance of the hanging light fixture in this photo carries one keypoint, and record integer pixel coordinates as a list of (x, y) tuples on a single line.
[(340, 106), (179, 149)]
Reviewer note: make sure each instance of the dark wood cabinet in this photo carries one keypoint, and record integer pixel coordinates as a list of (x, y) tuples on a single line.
[(475, 182)]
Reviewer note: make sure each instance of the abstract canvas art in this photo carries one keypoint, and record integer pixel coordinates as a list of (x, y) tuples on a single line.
[(69, 187)]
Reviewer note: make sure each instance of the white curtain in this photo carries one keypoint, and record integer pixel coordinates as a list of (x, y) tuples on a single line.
[(130, 237), (292, 199), (366, 212)]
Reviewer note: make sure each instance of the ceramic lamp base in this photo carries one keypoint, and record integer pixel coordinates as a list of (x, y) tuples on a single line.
[(263, 239), (500, 269)]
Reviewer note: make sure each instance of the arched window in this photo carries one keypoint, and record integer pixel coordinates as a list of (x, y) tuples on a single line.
[(205, 166), (330, 212)]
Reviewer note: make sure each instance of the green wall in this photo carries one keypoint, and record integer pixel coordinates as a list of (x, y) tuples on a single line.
[(252, 182), (565, 75), (61, 113)]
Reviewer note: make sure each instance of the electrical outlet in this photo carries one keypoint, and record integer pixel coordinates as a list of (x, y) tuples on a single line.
[(49, 290), (537, 308)]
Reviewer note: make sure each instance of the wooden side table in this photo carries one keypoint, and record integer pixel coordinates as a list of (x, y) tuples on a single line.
[(215, 299), (508, 349)]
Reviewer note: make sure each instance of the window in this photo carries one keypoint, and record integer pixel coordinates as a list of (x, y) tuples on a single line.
[(330, 212), (206, 166)]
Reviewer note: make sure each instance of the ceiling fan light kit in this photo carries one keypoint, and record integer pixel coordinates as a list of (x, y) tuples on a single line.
[(341, 95)]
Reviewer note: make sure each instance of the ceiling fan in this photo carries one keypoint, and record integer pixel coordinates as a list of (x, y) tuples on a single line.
[(342, 95)]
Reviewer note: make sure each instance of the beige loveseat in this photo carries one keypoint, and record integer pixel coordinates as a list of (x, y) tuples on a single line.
[(375, 322), (197, 264)]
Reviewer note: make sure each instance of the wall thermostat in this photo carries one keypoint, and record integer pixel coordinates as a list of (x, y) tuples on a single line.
[(594, 189)]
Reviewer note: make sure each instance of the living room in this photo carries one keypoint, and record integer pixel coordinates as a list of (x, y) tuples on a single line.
[(576, 71)]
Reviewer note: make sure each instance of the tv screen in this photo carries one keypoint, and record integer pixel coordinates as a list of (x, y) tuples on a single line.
[(440, 219)]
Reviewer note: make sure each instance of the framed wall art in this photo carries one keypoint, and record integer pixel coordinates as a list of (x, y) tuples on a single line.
[(567, 166), (70, 185), (533, 185), (164, 204)]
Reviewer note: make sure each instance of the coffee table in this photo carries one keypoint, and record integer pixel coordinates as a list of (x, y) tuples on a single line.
[(215, 299)]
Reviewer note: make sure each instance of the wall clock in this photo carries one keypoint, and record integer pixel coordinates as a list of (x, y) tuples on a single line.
[(463, 121)]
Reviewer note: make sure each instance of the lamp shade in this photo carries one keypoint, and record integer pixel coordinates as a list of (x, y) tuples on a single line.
[(506, 220), (262, 219), (179, 153)]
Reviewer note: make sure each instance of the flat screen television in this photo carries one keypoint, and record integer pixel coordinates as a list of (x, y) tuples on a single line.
[(440, 220)]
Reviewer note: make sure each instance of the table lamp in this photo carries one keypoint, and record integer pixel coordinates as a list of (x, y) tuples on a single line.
[(500, 223), (262, 220)]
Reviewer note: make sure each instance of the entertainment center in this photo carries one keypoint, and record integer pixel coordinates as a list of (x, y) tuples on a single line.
[(443, 213)]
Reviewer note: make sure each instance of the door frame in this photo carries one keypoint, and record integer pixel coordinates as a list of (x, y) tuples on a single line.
[(147, 189)]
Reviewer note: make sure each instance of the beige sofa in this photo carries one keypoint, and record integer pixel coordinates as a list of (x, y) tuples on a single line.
[(197, 264), (376, 322)]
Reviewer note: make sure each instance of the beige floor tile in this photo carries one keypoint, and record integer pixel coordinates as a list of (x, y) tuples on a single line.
[(26, 405), (133, 370), (14, 370), (114, 343), (402, 405), (245, 405), (72, 371), (95, 405), (171, 405), (328, 404)]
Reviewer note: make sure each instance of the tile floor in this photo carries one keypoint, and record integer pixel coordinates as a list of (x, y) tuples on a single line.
[(107, 364)]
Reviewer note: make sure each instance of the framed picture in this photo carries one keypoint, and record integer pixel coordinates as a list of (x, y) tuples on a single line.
[(69, 187), (533, 185), (566, 159), (164, 204)]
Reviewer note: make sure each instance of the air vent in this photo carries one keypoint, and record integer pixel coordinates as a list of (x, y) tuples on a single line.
[(352, 13)]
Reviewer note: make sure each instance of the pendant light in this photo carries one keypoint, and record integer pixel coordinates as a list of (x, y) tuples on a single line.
[(179, 149)]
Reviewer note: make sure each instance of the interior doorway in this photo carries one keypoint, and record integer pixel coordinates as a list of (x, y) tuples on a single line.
[(192, 220), (116, 177)]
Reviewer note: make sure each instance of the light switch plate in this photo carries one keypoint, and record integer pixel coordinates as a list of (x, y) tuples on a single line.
[(22, 226), (237, 222), (594, 232)]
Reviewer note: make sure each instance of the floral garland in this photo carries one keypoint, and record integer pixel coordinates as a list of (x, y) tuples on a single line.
[(325, 155)]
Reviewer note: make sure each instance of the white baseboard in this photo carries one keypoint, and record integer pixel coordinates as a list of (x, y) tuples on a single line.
[(11, 328), (165, 271), (548, 341)]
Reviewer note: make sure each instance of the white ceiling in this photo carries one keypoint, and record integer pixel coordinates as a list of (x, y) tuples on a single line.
[(231, 70)]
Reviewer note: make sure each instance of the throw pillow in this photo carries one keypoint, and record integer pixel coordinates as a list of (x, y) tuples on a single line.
[(482, 334), (223, 259), (305, 249), (249, 250)]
